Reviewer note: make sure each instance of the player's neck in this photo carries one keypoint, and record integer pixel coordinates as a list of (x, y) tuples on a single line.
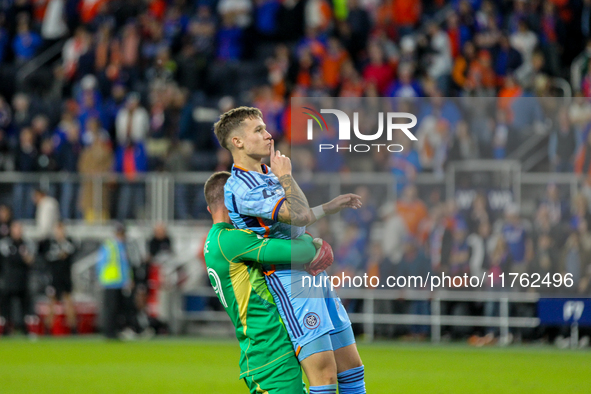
[(221, 216), (248, 163)]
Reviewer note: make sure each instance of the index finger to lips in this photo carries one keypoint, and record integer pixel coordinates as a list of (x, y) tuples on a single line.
[(272, 149)]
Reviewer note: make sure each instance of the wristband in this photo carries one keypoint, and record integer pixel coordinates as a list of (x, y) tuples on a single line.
[(318, 212)]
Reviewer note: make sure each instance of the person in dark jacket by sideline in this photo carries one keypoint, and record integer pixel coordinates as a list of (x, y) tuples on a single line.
[(16, 262), (60, 257)]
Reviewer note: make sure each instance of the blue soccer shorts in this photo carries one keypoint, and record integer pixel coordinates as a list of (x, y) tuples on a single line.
[(308, 312)]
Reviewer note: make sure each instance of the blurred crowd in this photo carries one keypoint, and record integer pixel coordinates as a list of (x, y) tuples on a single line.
[(417, 237)]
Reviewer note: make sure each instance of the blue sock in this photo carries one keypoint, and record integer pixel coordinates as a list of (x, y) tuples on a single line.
[(352, 381), (328, 389)]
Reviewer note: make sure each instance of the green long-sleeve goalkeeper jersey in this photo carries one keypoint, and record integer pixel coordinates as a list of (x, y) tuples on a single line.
[(233, 259)]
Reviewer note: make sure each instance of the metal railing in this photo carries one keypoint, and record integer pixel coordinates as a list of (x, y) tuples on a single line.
[(436, 320), (165, 194), (39, 61)]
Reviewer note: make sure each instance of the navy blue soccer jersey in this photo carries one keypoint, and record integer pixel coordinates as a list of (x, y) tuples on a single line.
[(254, 199)]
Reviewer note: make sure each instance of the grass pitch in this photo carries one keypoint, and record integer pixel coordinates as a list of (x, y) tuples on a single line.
[(91, 365)]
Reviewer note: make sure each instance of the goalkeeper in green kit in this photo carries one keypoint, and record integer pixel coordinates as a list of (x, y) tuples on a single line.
[(267, 360)]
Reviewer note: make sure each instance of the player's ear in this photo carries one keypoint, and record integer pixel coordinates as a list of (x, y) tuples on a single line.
[(237, 142), (209, 210)]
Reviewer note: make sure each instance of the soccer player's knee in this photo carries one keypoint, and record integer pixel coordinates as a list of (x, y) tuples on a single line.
[(328, 376), (327, 373), (321, 370), (355, 363)]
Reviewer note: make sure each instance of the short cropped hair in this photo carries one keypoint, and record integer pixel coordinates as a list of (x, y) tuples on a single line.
[(231, 120), (214, 189)]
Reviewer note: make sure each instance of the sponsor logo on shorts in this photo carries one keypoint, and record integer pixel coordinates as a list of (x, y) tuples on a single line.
[(311, 320)]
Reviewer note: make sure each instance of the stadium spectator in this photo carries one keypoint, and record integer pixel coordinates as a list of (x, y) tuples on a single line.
[(440, 61), (95, 159), (47, 214), (580, 67), (479, 213), (404, 165), (40, 128), (364, 217), (130, 161), (350, 254), (414, 263), (113, 105), (54, 25), (74, 48), (114, 275), (26, 43), (5, 220), (6, 152), (524, 40), (47, 160), (579, 113), (563, 144), (26, 161), (412, 209), (4, 38), (177, 161), (433, 143), (132, 122), (94, 128), (518, 240), (500, 262), (500, 135), (479, 243), (553, 32), (406, 85), (16, 260), (404, 14), (22, 112), (462, 65), (508, 59), (463, 145), (459, 263), (359, 27), (396, 230), (67, 155), (529, 73), (377, 72), (160, 241), (557, 208), (5, 114), (59, 256), (574, 260)]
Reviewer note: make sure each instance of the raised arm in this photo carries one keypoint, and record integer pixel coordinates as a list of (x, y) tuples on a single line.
[(295, 210)]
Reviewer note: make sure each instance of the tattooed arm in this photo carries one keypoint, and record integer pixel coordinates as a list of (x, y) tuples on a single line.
[(295, 210)]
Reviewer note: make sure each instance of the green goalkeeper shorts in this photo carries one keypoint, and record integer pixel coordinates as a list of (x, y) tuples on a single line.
[(285, 378)]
